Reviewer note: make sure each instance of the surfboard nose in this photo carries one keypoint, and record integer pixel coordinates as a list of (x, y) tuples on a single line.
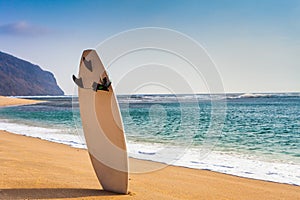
[(86, 52)]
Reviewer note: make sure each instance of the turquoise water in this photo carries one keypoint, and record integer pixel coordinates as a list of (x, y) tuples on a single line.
[(267, 125), (251, 135)]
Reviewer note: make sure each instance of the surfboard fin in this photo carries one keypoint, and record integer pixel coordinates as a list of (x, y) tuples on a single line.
[(97, 87), (94, 86), (78, 81), (87, 64)]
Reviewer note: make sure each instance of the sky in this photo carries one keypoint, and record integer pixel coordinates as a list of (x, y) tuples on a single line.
[(255, 44)]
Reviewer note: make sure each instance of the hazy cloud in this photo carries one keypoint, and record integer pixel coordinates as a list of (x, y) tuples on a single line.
[(22, 28)]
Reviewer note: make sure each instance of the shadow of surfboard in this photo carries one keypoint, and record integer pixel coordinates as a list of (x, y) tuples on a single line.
[(52, 193)]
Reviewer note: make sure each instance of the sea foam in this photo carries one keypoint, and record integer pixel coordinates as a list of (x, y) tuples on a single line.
[(234, 164), (49, 134)]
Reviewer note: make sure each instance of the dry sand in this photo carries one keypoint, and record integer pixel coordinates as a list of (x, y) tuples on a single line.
[(31, 168)]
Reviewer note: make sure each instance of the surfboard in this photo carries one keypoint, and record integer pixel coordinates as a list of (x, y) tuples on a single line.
[(102, 125)]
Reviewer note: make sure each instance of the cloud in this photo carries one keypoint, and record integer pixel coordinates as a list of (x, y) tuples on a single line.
[(22, 28)]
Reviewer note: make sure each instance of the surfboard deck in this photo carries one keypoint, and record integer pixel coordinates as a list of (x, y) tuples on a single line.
[(102, 126)]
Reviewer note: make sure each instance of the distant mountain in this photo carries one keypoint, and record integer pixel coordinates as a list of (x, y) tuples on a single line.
[(22, 78)]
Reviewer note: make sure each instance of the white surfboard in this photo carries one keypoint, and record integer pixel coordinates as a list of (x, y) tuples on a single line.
[(102, 126)]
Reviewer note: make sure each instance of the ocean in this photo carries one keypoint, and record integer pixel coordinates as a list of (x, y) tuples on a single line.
[(248, 135)]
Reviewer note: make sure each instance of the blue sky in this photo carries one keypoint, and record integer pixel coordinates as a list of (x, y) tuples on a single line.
[(255, 43)]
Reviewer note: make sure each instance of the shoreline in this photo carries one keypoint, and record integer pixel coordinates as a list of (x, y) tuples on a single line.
[(153, 163), (36, 168)]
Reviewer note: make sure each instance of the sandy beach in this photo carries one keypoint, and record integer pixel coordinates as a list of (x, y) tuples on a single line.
[(8, 101), (32, 168)]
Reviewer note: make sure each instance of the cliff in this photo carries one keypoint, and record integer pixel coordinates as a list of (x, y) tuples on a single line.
[(22, 78)]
